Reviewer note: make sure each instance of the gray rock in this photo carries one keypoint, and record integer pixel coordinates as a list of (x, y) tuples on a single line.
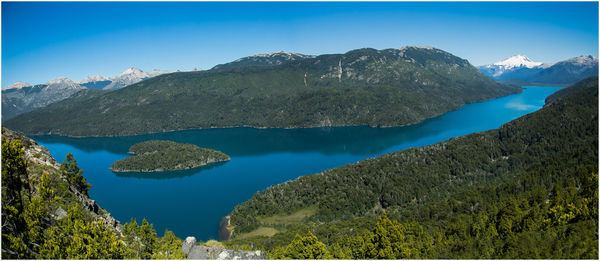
[(188, 244), (204, 252), (60, 213)]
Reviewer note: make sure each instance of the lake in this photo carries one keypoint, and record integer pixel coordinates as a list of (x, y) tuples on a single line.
[(192, 202)]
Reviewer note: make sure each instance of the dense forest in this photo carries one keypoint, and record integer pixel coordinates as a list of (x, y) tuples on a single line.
[(526, 190), (46, 213), (163, 155), (391, 87)]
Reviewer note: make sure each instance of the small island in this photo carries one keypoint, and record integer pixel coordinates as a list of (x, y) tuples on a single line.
[(163, 155)]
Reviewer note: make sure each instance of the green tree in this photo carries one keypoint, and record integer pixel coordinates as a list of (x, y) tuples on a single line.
[(75, 174), (303, 247), (14, 188), (168, 247), (147, 238), (387, 240)]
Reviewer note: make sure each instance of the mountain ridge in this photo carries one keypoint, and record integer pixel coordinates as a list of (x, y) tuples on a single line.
[(519, 69), (390, 87)]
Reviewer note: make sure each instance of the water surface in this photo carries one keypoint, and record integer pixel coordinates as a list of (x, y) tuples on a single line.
[(192, 202)]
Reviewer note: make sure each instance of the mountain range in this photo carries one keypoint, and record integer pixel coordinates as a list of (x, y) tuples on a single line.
[(23, 97), (128, 77), (521, 70), (391, 87)]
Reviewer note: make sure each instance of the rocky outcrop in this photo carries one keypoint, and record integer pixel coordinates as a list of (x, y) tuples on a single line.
[(37, 154), (194, 251)]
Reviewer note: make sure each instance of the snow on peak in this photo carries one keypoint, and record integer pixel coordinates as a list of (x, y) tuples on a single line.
[(61, 80), (17, 85), (583, 60), (132, 70), (272, 54), (518, 60), (93, 78)]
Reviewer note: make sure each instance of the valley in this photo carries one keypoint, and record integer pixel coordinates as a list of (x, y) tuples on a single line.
[(259, 158)]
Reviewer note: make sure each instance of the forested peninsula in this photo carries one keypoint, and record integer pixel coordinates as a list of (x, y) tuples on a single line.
[(163, 155), (526, 190)]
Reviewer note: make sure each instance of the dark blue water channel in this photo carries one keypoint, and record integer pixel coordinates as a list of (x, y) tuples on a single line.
[(192, 203)]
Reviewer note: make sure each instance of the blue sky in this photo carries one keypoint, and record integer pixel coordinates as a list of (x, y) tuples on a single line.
[(42, 41)]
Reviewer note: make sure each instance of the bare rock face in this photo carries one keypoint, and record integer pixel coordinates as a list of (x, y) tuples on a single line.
[(60, 213), (188, 244), (194, 251)]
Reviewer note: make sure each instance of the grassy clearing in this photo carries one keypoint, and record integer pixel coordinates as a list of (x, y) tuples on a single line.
[(291, 219), (261, 231)]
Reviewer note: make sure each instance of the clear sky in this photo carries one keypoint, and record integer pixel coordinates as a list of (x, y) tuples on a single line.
[(42, 41)]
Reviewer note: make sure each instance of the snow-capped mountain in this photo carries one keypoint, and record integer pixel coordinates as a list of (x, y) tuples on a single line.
[(522, 70), (508, 65), (22, 97), (93, 78), (127, 77), (518, 60), (131, 76), (275, 58)]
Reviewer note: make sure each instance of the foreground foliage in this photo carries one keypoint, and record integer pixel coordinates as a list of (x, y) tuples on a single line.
[(526, 190), (33, 195), (163, 155)]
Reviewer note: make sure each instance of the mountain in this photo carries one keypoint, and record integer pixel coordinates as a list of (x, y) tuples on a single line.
[(391, 87), (568, 71), (275, 58), (21, 97), (97, 82), (526, 190), (131, 76), (521, 70)]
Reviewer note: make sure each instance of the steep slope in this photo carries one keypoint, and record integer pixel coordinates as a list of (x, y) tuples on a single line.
[(389, 87), (526, 190), (23, 98)]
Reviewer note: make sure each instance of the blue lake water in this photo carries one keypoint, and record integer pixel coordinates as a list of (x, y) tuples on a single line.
[(192, 202)]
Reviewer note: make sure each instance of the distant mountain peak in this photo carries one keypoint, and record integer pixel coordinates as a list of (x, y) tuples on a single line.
[(280, 53), (583, 60), (518, 60), (417, 47), (132, 70), (61, 80), (93, 78), (17, 85)]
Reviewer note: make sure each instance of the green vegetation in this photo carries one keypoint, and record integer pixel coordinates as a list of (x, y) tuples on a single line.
[(163, 155), (526, 190), (33, 194), (391, 87), (261, 231), (290, 219)]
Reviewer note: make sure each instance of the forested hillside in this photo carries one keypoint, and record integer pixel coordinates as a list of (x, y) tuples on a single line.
[(391, 87), (526, 190)]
